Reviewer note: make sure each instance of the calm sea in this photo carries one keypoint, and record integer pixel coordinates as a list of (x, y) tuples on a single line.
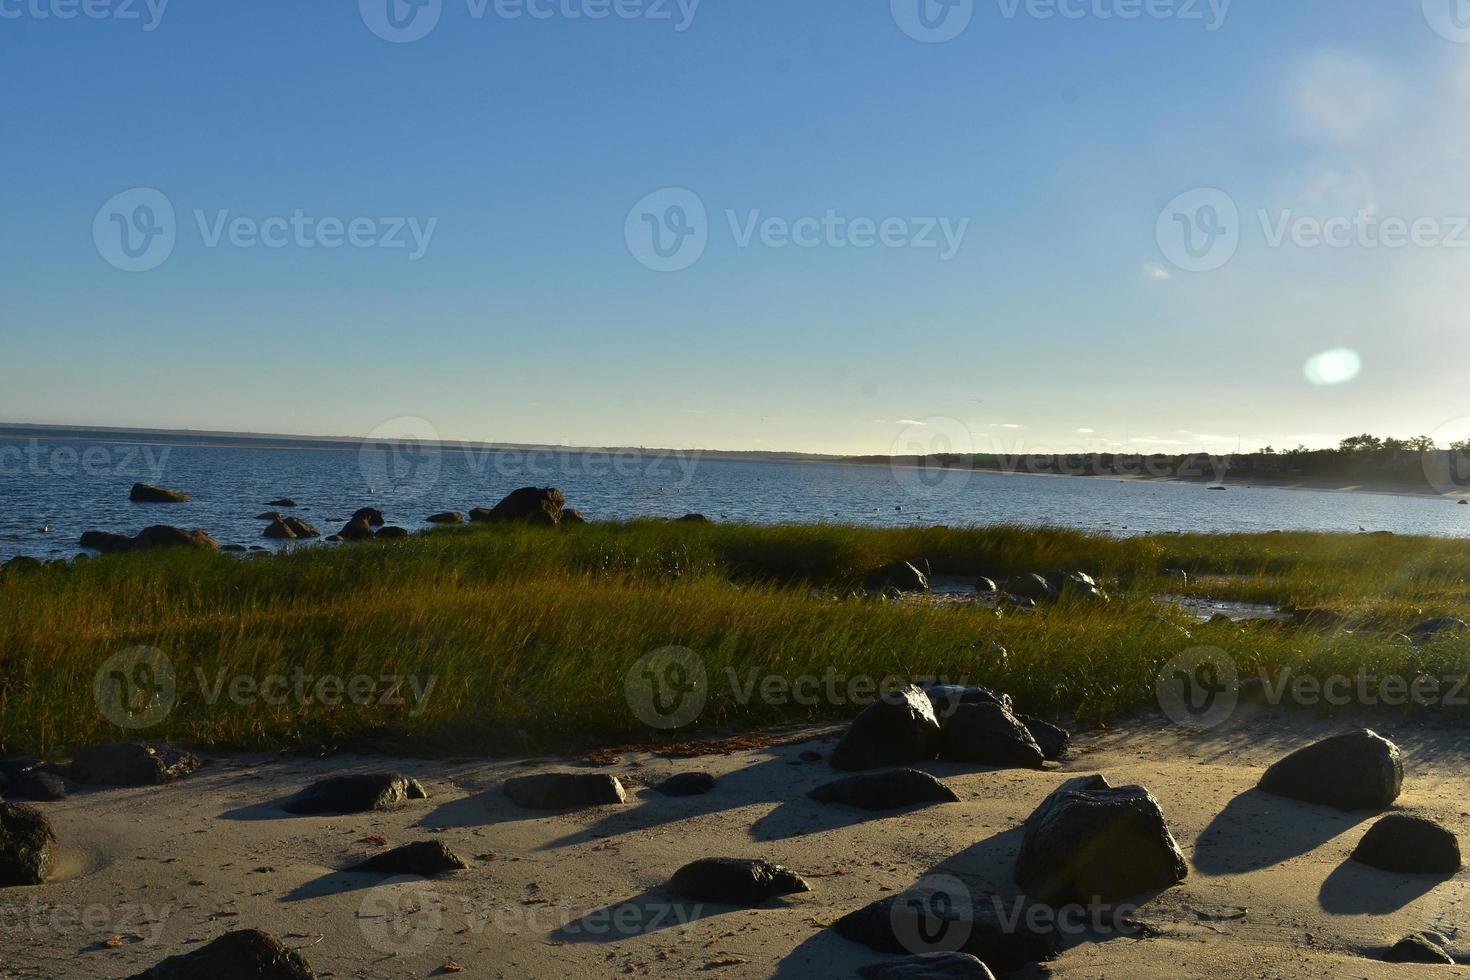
[(52, 490)]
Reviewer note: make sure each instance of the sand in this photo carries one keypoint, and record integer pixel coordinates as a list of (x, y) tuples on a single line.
[(579, 894)]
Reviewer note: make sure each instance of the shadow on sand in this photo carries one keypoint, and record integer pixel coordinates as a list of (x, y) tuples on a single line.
[(1257, 830)]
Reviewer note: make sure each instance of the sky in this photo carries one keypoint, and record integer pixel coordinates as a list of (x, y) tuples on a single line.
[(818, 225)]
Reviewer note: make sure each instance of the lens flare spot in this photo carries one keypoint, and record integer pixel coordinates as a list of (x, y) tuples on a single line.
[(1333, 367)]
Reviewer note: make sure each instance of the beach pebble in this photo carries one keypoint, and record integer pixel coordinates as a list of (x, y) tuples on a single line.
[(687, 784), (1089, 842), (565, 790), (131, 764), (1359, 770), (897, 729), (1409, 845), (891, 790), (1421, 947), (358, 793), (929, 966), (735, 881), (27, 846), (244, 955), (988, 735), (423, 858)]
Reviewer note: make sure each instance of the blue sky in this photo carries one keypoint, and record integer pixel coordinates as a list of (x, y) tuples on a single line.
[(1062, 320)]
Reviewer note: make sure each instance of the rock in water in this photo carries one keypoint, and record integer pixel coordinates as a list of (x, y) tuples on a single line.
[(1052, 740), (448, 517), (245, 955), (530, 505), (735, 881), (283, 502), (929, 966), (368, 515), (1089, 843), (27, 846), (105, 542), (131, 764), (143, 493), (423, 858), (279, 530), (694, 519), (891, 790), (901, 575), (163, 536), (1409, 845), (897, 729), (570, 517), (1355, 771), (939, 914), (392, 533), (360, 793), (357, 529), (565, 790), (687, 784), (989, 735), (1421, 947)]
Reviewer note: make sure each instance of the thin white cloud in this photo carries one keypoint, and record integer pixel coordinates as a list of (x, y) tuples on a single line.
[(910, 422), (1011, 425), (1156, 271), (1087, 432)]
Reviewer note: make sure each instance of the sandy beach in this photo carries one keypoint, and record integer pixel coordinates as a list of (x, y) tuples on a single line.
[(153, 872)]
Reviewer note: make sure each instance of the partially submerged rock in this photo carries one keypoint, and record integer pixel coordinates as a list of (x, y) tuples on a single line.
[(144, 493), (27, 846), (448, 517), (1409, 845), (368, 515), (891, 790), (897, 729), (131, 764), (158, 536), (357, 529), (1091, 843), (1359, 770), (245, 955), (391, 533), (565, 790), (529, 505), (282, 502), (422, 858), (988, 734), (358, 793), (687, 784), (735, 881), (929, 966)]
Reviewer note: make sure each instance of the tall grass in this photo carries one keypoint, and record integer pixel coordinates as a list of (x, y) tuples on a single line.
[(526, 635)]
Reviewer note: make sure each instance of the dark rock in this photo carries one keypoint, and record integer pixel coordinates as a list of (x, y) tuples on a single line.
[(530, 505), (106, 542), (695, 519), (901, 575), (131, 764), (273, 515), (1091, 843), (371, 515), (38, 786), (988, 734), (891, 790), (565, 790), (1030, 586), (1409, 845), (687, 784), (233, 549), (947, 697), (1355, 771), (334, 538), (143, 493), (1053, 740), (245, 955), (1421, 947), (279, 530), (448, 517), (735, 881), (897, 729), (1016, 602), (929, 966), (986, 586), (357, 529), (810, 756), (300, 528), (283, 502), (931, 915), (571, 517), (22, 563), (1431, 628), (163, 536), (392, 533), (423, 858), (358, 793), (27, 846)]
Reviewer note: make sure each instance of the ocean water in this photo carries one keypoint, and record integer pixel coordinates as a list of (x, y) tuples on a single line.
[(51, 490)]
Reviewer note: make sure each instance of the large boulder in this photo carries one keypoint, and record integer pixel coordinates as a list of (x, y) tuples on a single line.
[(37, 786), (529, 505), (27, 846), (989, 735), (245, 955), (422, 858), (106, 542), (357, 529), (357, 793), (392, 533), (1409, 845), (131, 764), (565, 790), (1030, 586), (143, 493), (928, 966), (371, 515), (1359, 770), (897, 729), (947, 697), (891, 790), (901, 575), (290, 528), (735, 881), (163, 536), (1089, 843)]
